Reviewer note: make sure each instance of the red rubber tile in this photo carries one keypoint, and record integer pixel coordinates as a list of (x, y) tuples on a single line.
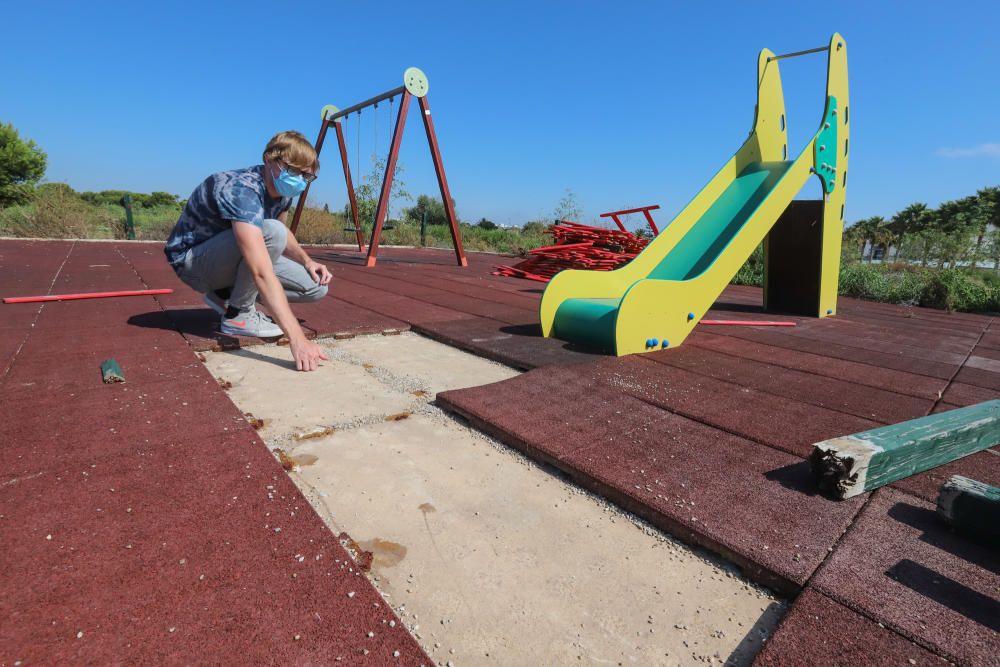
[(979, 377), (35, 372), (981, 466), (399, 307), (826, 392), (94, 313), (518, 346), (818, 630), (750, 503), (331, 317), (961, 394), (900, 565), (109, 420), (790, 425), (451, 300), (173, 555), (535, 412), (18, 316), (848, 353), (848, 371)]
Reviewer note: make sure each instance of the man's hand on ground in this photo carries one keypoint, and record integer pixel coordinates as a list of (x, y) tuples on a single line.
[(307, 355), (319, 272)]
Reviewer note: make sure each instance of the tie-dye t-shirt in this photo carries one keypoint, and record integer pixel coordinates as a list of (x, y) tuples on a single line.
[(239, 195)]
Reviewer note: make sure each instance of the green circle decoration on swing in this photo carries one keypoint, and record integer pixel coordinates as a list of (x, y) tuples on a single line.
[(327, 111), (415, 81)]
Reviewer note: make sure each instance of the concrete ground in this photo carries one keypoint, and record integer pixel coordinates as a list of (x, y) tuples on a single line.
[(487, 557)]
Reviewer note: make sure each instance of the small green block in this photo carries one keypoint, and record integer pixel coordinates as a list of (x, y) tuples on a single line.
[(972, 507), (111, 372)]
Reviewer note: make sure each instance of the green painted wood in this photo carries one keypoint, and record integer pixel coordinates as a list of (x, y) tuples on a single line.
[(111, 372), (972, 507), (850, 465)]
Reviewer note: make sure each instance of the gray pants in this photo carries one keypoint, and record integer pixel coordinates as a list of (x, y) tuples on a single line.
[(218, 264)]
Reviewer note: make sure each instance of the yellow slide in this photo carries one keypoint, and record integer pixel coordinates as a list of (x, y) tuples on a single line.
[(655, 301)]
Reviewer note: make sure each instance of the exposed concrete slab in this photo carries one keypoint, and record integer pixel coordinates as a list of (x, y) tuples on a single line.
[(489, 558)]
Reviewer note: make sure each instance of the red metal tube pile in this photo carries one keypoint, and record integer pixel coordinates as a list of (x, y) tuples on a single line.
[(577, 247)]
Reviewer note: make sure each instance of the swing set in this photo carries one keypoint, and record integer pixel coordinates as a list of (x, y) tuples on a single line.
[(415, 84)]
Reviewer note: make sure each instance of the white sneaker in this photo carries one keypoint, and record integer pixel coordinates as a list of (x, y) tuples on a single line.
[(251, 323), (215, 303)]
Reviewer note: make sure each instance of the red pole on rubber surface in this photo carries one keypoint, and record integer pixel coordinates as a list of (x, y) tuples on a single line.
[(748, 323), (88, 295)]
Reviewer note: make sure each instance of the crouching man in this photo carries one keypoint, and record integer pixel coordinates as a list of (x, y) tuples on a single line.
[(232, 245)]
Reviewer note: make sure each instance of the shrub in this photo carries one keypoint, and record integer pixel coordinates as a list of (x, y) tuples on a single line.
[(57, 212)]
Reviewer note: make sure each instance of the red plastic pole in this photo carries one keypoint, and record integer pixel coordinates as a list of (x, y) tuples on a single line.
[(748, 323), (449, 207), (88, 295)]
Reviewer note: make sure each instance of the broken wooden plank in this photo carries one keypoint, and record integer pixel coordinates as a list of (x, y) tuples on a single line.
[(850, 465), (111, 372), (972, 507)]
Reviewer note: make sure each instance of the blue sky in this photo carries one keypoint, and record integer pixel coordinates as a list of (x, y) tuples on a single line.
[(625, 103)]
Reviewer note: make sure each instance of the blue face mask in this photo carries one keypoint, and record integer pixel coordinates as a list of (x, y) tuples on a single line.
[(288, 185)]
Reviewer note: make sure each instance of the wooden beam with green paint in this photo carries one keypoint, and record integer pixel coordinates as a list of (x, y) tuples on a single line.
[(972, 507), (850, 465), (111, 372)]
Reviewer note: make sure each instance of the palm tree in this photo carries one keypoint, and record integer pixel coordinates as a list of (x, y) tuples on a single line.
[(909, 222)]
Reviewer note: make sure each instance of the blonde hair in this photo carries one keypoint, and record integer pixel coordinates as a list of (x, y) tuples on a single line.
[(293, 149)]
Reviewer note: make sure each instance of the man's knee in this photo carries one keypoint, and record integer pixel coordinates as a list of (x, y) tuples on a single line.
[(314, 293), (275, 236)]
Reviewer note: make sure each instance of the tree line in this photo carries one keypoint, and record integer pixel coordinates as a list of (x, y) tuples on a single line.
[(961, 232)]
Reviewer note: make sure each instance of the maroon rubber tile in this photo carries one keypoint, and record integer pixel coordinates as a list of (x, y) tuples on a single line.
[(786, 424), (979, 377), (451, 300), (184, 553), (94, 313), (959, 393), (900, 565), (518, 346), (848, 371), (81, 426), (827, 392), (821, 334), (399, 307), (750, 503), (982, 466), (19, 316), (535, 412), (837, 351), (332, 317), (79, 370), (818, 630)]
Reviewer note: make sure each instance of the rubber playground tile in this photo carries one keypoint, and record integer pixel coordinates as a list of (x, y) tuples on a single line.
[(848, 353), (185, 553), (982, 466), (865, 402), (19, 316), (517, 346), (332, 317), (979, 378), (944, 589), (959, 393), (535, 412), (80, 426), (750, 503), (790, 425), (94, 313), (847, 337), (80, 371), (818, 630), (849, 371), (399, 307)]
